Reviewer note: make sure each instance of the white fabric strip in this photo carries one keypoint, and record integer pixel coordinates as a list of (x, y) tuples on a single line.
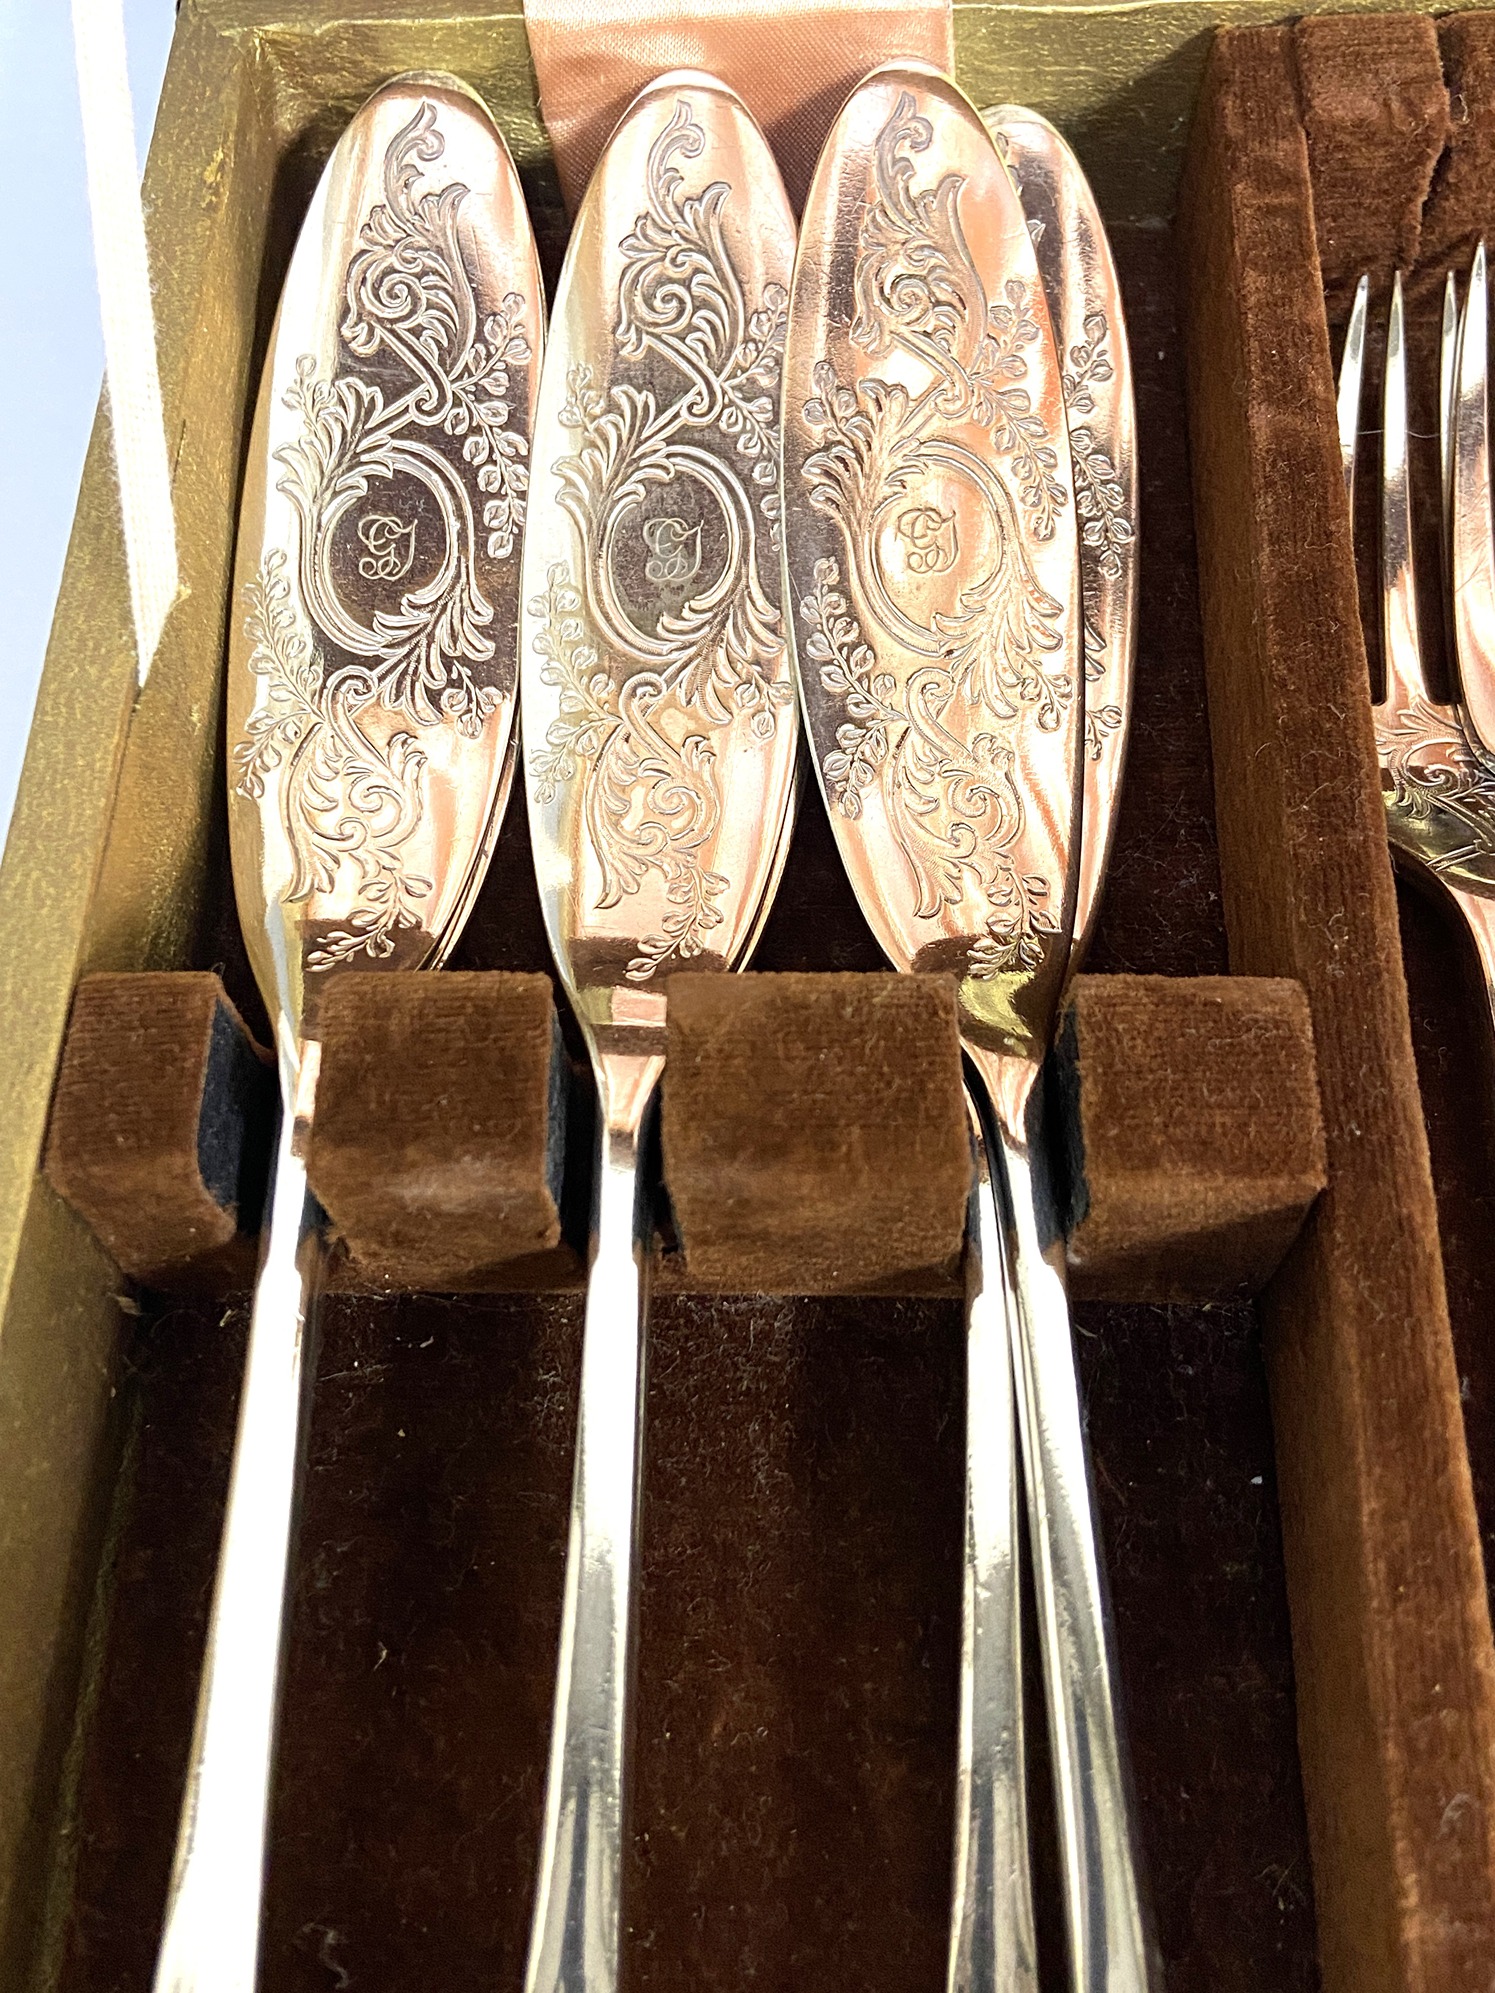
[(129, 321)]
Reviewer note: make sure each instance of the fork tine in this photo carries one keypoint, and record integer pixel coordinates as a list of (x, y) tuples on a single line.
[(1473, 563), (1351, 373), (1400, 644), (1448, 374), (1448, 387)]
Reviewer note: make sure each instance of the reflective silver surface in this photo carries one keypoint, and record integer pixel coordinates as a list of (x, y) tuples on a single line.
[(1084, 296), (1473, 555), (660, 739), (369, 703), (931, 547), (1104, 1902), (210, 1943), (1109, 1942), (372, 687), (1437, 778), (932, 544), (993, 1942)]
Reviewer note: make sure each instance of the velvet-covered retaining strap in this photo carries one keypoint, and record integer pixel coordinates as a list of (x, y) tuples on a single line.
[(814, 1134)]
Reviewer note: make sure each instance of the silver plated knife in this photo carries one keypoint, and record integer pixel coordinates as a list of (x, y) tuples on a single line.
[(370, 698), (660, 740)]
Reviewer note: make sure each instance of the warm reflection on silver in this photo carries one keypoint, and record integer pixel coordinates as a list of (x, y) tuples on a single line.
[(992, 1938), (660, 741), (1473, 562), (1436, 775), (1084, 296), (1347, 405), (1104, 1905), (932, 544), (1448, 356), (369, 705)]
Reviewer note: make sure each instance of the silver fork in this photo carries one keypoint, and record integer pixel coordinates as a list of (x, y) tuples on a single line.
[(1437, 760)]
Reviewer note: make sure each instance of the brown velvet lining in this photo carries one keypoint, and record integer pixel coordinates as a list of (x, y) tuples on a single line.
[(795, 1714), (437, 1144), (814, 1132), (1196, 1130), (1375, 115), (1395, 1666), (159, 1128), (816, 1138)]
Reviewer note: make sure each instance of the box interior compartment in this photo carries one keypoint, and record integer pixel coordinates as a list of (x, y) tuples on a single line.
[(1386, 1576), (813, 1135), (799, 1611)]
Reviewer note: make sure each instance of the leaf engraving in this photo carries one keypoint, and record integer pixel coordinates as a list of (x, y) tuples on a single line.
[(641, 701), (1439, 791), (1100, 501), (420, 363), (939, 750)]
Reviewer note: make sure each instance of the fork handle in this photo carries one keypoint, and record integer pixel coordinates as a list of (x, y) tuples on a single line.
[(1109, 1950), (992, 1943), (1479, 918), (574, 1935), (210, 1943)]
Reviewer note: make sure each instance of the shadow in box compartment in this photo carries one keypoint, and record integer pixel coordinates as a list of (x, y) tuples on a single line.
[(1320, 149), (792, 1802)]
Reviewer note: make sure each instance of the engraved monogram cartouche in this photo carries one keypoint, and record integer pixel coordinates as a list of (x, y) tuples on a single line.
[(660, 737), (376, 608), (661, 692), (369, 705)]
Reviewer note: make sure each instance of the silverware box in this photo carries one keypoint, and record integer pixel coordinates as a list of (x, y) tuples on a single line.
[(1292, 1486)]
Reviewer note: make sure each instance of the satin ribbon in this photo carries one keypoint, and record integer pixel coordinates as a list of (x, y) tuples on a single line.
[(793, 62)]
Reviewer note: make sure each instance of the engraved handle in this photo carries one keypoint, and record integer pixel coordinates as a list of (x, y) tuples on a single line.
[(1109, 1950), (574, 1936), (992, 1947), (211, 1938)]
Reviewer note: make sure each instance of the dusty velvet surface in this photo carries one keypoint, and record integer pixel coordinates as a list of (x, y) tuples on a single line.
[(440, 1134), (159, 1128), (813, 1134), (800, 1545), (1396, 1670), (1192, 1119)]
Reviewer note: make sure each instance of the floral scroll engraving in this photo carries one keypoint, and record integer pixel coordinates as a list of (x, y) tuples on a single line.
[(942, 743), (1440, 793), (1100, 502), (663, 636), (1106, 532), (354, 677)]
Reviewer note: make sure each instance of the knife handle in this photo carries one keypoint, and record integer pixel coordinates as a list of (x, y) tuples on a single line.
[(210, 1943), (574, 1937), (1106, 1921), (992, 1943)]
